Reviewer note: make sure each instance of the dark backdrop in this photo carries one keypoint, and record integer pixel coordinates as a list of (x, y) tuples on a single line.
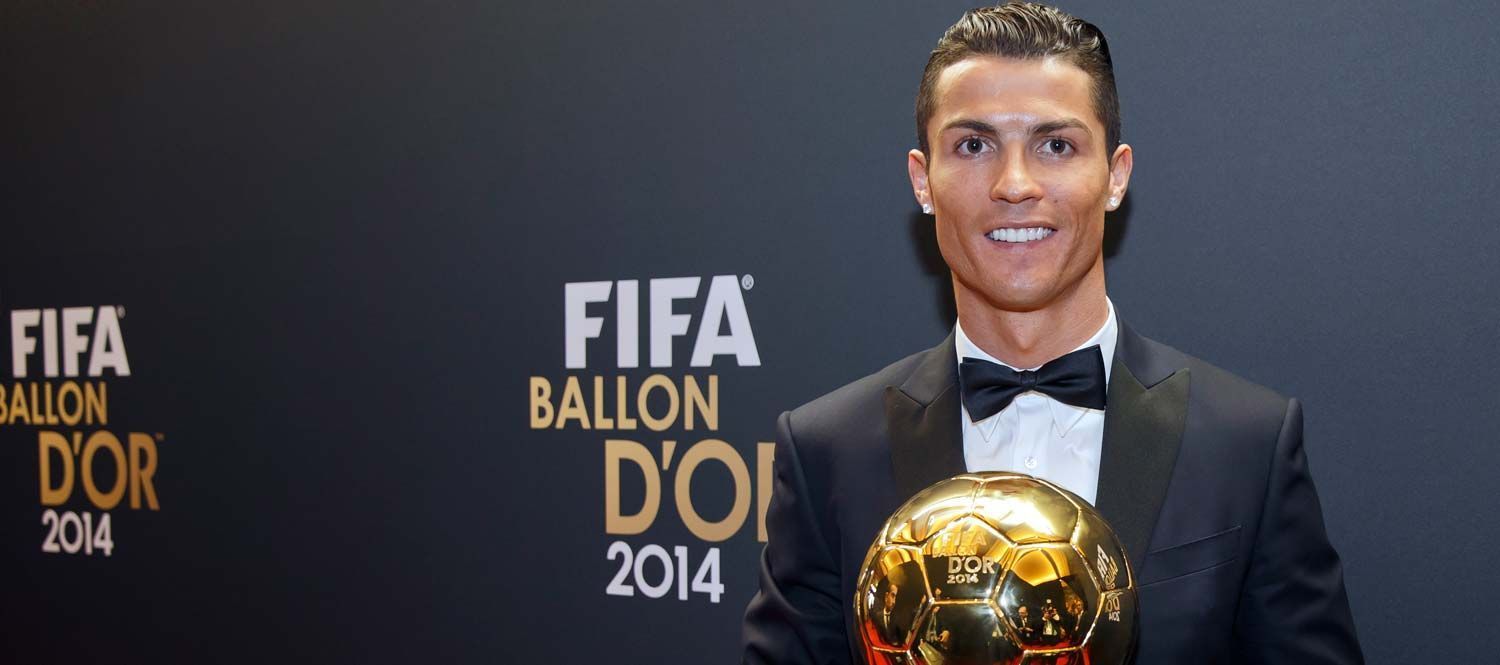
[(339, 234)]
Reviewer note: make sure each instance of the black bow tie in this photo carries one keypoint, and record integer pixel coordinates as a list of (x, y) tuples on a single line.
[(1076, 378)]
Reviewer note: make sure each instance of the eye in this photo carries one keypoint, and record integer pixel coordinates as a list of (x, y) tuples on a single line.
[(972, 145), (1057, 146)]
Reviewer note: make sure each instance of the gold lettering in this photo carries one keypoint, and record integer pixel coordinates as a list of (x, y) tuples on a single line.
[(18, 410), (601, 421), (642, 402), (142, 469), (693, 396), (43, 406), (96, 404), (765, 458), (541, 402), (616, 451), (45, 443), (70, 417), (718, 450), (110, 499), (622, 403), (572, 405)]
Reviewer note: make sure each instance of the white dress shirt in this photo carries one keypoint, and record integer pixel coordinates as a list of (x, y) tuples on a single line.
[(1038, 435)]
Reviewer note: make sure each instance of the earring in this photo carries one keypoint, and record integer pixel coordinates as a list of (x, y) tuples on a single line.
[(1113, 203), (927, 208)]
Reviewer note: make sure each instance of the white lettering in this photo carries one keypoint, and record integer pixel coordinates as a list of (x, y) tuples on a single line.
[(724, 326), (74, 344), (725, 300), (628, 326), (578, 326), (108, 349), (49, 342), (664, 324), (21, 344)]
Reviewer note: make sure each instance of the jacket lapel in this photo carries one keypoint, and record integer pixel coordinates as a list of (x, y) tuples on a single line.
[(922, 422), (1143, 425)]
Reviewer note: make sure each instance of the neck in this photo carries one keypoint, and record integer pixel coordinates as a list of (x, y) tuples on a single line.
[(1025, 339)]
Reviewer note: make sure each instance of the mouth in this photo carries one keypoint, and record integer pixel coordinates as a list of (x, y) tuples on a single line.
[(1020, 236)]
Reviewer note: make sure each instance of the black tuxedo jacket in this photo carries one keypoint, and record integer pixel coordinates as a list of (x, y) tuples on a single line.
[(1202, 475)]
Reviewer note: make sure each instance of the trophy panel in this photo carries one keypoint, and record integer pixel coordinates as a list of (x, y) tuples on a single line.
[(964, 561), (931, 510), (1048, 599), (891, 595), (1070, 657), (1109, 642), (1102, 550), (962, 633), (1025, 511), (883, 657)]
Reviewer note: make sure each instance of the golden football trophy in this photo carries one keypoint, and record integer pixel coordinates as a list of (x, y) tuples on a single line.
[(996, 568)]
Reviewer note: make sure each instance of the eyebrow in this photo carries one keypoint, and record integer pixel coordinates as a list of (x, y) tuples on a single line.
[(1048, 127)]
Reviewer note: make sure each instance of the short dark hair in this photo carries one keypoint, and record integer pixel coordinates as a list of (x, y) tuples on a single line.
[(1027, 31)]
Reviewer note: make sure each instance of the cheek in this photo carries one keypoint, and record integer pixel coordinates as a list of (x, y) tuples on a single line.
[(1080, 199), (961, 188), (949, 244)]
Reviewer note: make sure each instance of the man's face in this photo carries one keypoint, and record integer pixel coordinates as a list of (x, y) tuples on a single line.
[(1019, 179), (1022, 611), (890, 597)]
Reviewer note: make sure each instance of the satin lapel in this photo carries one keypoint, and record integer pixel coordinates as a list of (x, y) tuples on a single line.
[(922, 421), (1143, 425)]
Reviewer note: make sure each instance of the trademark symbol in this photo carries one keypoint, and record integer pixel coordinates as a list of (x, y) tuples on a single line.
[(747, 282), (119, 311), (160, 437)]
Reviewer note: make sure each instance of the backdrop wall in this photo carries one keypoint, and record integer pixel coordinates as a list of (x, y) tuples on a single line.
[(314, 271)]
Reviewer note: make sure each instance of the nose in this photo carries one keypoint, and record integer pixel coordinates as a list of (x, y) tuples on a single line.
[(1014, 182)]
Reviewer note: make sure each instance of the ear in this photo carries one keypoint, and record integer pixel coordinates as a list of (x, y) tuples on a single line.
[(1120, 166), (916, 169)]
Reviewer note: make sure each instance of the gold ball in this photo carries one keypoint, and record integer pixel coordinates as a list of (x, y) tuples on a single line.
[(996, 568)]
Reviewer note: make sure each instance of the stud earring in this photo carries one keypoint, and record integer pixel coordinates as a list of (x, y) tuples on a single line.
[(927, 208), (1113, 203)]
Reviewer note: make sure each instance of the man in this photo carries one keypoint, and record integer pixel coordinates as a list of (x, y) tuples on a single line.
[(885, 619), (1201, 473), (1052, 630), (1024, 627)]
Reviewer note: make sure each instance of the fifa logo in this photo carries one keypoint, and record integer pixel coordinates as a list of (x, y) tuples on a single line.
[(66, 340), (1107, 568), (723, 309)]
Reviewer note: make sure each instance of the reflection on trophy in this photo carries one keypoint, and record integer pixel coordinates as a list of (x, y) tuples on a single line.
[(996, 568)]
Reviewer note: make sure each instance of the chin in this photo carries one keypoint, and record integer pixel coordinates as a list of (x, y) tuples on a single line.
[(1018, 299)]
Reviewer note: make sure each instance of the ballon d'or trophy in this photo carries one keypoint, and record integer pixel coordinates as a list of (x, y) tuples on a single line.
[(996, 568)]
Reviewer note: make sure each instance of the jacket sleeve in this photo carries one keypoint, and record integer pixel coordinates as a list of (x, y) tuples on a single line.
[(1293, 607), (797, 616)]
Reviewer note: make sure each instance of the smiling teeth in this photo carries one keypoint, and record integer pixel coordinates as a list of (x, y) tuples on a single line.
[(1020, 235)]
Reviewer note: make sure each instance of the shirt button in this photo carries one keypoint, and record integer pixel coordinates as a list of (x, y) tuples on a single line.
[(1031, 462)]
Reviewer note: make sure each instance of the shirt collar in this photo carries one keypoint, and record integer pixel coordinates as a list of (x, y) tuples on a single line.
[(1064, 416)]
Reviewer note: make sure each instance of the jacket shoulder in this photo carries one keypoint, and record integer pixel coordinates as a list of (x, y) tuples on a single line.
[(1219, 395), (853, 410)]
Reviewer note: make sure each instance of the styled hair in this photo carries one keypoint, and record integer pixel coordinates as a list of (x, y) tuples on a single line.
[(1025, 31)]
